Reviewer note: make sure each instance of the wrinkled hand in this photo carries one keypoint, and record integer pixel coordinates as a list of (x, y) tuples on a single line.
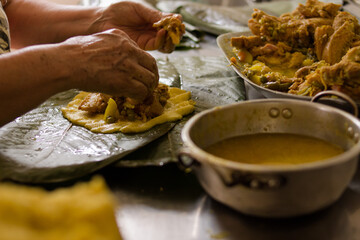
[(110, 62), (137, 21)]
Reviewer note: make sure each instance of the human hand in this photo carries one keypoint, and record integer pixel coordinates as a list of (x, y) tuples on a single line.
[(137, 21), (109, 62)]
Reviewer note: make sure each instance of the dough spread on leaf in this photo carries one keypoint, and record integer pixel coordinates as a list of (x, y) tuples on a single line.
[(120, 115)]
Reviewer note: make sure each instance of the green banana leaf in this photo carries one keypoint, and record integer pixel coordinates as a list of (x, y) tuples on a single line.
[(43, 147), (212, 82)]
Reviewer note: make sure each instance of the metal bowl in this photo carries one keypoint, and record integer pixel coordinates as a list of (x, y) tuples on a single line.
[(255, 91), (272, 190)]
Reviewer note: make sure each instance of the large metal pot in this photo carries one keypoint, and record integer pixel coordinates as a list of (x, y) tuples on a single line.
[(272, 190)]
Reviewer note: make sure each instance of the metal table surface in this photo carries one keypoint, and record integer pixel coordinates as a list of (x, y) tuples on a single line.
[(162, 203)]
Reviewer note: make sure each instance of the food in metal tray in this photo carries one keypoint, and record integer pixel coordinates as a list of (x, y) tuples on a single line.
[(314, 48), (107, 114)]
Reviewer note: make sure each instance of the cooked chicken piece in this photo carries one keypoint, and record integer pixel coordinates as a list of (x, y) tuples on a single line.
[(246, 42), (304, 71), (343, 76), (278, 49), (316, 46), (153, 106), (321, 37), (267, 49), (343, 17), (174, 27), (355, 44), (296, 32), (347, 69), (345, 26), (95, 103), (316, 9)]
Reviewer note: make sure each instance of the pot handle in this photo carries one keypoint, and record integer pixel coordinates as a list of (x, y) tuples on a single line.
[(249, 180), (340, 95), (253, 180), (186, 160)]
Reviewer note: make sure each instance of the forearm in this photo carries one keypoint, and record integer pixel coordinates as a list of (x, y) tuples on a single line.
[(27, 79), (38, 21)]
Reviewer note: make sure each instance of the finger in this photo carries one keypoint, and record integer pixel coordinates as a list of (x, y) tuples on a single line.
[(117, 84), (168, 47), (147, 75), (150, 45), (149, 79), (160, 38), (136, 91), (148, 63)]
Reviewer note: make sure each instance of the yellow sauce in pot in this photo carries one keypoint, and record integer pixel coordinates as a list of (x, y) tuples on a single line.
[(274, 148)]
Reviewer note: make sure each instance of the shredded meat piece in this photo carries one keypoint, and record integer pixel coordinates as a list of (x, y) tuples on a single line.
[(321, 37), (316, 46), (295, 31), (345, 26), (95, 103), (343, 76), (267, 49), (153, 106), (315, 9), (174, 27), (246, 42)]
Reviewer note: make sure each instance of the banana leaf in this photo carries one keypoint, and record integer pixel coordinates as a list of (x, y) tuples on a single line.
[(212, 82), (43, 147)]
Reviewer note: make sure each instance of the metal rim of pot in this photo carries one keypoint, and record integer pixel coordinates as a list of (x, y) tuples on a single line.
[(186, 155)]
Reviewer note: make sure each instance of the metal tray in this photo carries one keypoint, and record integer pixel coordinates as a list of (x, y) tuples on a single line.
[(254, 91)]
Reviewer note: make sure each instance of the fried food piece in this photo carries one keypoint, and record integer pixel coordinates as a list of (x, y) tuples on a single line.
[(293, 30), (321, 38), (316, 9), (344, 31), (246, 42), (315, 48), (95, 103), (343, 76), (174, 27)]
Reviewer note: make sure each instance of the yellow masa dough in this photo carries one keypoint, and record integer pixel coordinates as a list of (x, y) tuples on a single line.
[(177, 106), (84, 211)]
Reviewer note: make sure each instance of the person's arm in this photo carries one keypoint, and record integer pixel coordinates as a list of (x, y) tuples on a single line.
[(39, 21), (108, 62), (29, 77)]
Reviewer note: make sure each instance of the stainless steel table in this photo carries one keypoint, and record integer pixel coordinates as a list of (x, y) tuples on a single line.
[(163, 203)]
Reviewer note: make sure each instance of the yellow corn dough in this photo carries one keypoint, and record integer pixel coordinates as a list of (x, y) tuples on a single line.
[(177, 106), (82, 212)]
